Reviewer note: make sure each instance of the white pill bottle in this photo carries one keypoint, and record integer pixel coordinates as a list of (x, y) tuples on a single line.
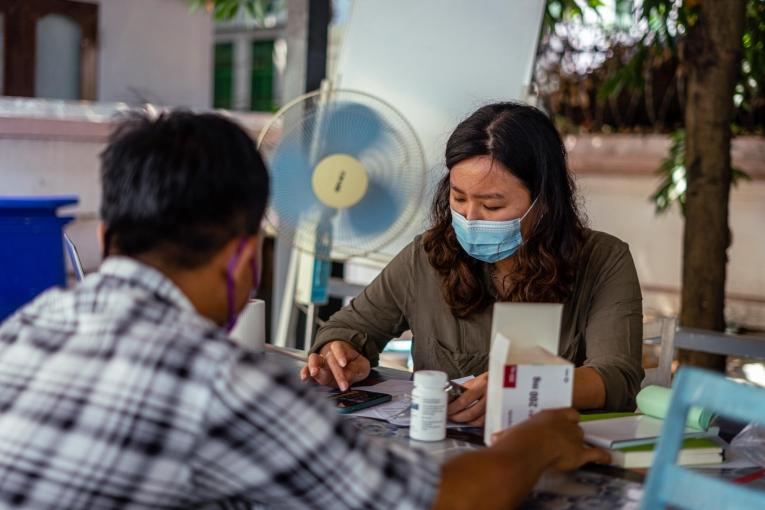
[(428, 413)]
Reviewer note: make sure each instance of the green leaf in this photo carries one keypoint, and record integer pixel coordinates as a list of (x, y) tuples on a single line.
[(673, 185)]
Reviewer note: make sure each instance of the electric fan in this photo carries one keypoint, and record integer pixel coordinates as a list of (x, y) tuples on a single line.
[(347, 177)]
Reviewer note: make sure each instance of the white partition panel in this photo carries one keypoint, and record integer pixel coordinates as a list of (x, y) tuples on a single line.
[(436, 61)]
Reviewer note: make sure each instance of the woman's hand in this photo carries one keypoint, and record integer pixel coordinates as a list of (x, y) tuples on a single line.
[(338, 364), (470, 407)]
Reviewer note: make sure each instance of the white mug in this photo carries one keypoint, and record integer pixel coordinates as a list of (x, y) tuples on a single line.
[(250, 328)]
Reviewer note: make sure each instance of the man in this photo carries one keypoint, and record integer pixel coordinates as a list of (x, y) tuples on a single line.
[(125, 392)]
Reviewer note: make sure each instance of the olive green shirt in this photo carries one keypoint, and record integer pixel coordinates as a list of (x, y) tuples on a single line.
[(601, 325)]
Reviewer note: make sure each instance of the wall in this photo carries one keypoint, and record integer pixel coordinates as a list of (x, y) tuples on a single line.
[(43, 156), (620, 206), (616, 177), (154, 51)]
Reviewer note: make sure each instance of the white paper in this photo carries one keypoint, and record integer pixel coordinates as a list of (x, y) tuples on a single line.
[(396, 412), (528, 325)]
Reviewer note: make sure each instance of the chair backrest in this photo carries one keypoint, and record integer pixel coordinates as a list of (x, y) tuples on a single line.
[(660, 331), (671, 485), (74, 258)]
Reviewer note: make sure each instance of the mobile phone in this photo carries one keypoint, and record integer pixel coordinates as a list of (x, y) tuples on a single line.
[(354, 400)]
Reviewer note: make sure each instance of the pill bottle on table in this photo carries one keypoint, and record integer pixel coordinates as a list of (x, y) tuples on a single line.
[(428, 409)]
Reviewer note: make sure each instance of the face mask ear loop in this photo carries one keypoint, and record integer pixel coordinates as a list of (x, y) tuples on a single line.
[(255, 277), (529, 209)]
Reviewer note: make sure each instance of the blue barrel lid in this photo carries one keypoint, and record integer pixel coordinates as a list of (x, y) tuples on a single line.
[(40, 203)]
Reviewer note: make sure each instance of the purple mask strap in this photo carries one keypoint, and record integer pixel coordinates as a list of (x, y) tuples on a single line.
[(255, 276)]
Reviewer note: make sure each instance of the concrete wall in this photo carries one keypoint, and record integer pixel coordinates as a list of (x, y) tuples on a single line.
[(60, 157), (154, 51), (620, 206), (40, 156), (616, 177)]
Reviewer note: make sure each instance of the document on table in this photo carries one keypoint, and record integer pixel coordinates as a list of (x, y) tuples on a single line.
[(396, 411)]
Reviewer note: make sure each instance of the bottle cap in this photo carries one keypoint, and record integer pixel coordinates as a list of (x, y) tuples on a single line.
[(430, 379)]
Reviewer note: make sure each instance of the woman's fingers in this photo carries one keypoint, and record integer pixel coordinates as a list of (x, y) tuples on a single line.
[(337, 371), (318, 370), (341, 352), (315, 363), (465, 400), (473, 414)]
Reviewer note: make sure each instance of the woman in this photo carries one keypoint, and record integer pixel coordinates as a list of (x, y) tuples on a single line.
[(505, 228)]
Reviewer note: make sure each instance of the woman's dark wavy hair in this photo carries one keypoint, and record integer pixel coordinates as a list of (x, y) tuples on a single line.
[(526, 142)]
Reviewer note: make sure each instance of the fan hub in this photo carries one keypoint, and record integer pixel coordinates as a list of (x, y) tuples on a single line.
[(339, 181)]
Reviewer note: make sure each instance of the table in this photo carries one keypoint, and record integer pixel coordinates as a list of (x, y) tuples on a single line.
[(589, 488)]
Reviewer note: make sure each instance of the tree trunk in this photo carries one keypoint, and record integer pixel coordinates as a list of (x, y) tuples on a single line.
[(711, 58)]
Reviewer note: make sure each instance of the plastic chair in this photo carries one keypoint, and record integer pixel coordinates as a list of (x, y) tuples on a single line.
[(662, 331), (679, 487), (74, 258)]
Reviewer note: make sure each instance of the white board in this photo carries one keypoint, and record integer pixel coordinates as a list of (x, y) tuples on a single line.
[(436, 61)]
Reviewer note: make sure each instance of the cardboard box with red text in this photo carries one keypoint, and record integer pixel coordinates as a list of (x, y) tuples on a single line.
[(525, 378)]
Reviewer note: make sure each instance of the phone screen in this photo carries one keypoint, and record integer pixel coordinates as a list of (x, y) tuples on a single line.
[(354, 400)]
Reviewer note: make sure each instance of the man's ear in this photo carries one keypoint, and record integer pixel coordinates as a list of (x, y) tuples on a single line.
[(247, 247), (101, 235)]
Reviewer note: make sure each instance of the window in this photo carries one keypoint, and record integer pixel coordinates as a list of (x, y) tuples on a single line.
[(262, 76), (57, 57), (223, 76), (54, 48)]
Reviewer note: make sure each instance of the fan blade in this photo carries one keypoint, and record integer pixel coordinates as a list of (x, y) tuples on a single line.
[(348, 128), (291, 192), (376, 212)]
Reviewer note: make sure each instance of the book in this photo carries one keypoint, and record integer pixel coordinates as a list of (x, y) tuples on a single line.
[(695, 452), (622, 430)]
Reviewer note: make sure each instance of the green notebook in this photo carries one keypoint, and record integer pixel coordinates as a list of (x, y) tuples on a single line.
[(695, 451)]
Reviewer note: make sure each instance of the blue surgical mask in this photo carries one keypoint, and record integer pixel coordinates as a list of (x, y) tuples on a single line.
[(489, 241)]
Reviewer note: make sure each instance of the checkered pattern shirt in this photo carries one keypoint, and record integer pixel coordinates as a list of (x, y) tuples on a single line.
[(118, 394)]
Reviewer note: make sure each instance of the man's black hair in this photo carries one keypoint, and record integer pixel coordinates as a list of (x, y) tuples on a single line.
[(180, 185)]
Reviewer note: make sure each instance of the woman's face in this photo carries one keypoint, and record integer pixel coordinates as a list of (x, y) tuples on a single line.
[(484, 189)]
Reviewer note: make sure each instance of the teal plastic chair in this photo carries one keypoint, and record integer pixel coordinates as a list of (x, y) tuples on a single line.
[(671, 485)]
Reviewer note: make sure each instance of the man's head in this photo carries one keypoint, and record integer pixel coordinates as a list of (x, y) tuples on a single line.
[(186, 193)]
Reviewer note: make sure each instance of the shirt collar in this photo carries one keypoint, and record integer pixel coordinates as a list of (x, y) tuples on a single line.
[(147, 277)]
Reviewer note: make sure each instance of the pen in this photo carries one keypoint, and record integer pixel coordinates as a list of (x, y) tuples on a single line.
[(454, 390)]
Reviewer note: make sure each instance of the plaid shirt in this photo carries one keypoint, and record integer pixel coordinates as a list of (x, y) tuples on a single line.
[(118, 394)]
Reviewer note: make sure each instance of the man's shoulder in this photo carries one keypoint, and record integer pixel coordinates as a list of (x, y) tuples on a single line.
[(99, 313)]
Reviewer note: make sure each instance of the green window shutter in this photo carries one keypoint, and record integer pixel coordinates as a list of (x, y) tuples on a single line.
[(223, 77), (262, 78)]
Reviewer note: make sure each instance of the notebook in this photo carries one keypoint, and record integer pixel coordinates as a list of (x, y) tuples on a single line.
[(625, 430), (695, 452)]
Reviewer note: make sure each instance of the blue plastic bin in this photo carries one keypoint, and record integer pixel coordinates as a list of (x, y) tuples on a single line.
[(31, 248)]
